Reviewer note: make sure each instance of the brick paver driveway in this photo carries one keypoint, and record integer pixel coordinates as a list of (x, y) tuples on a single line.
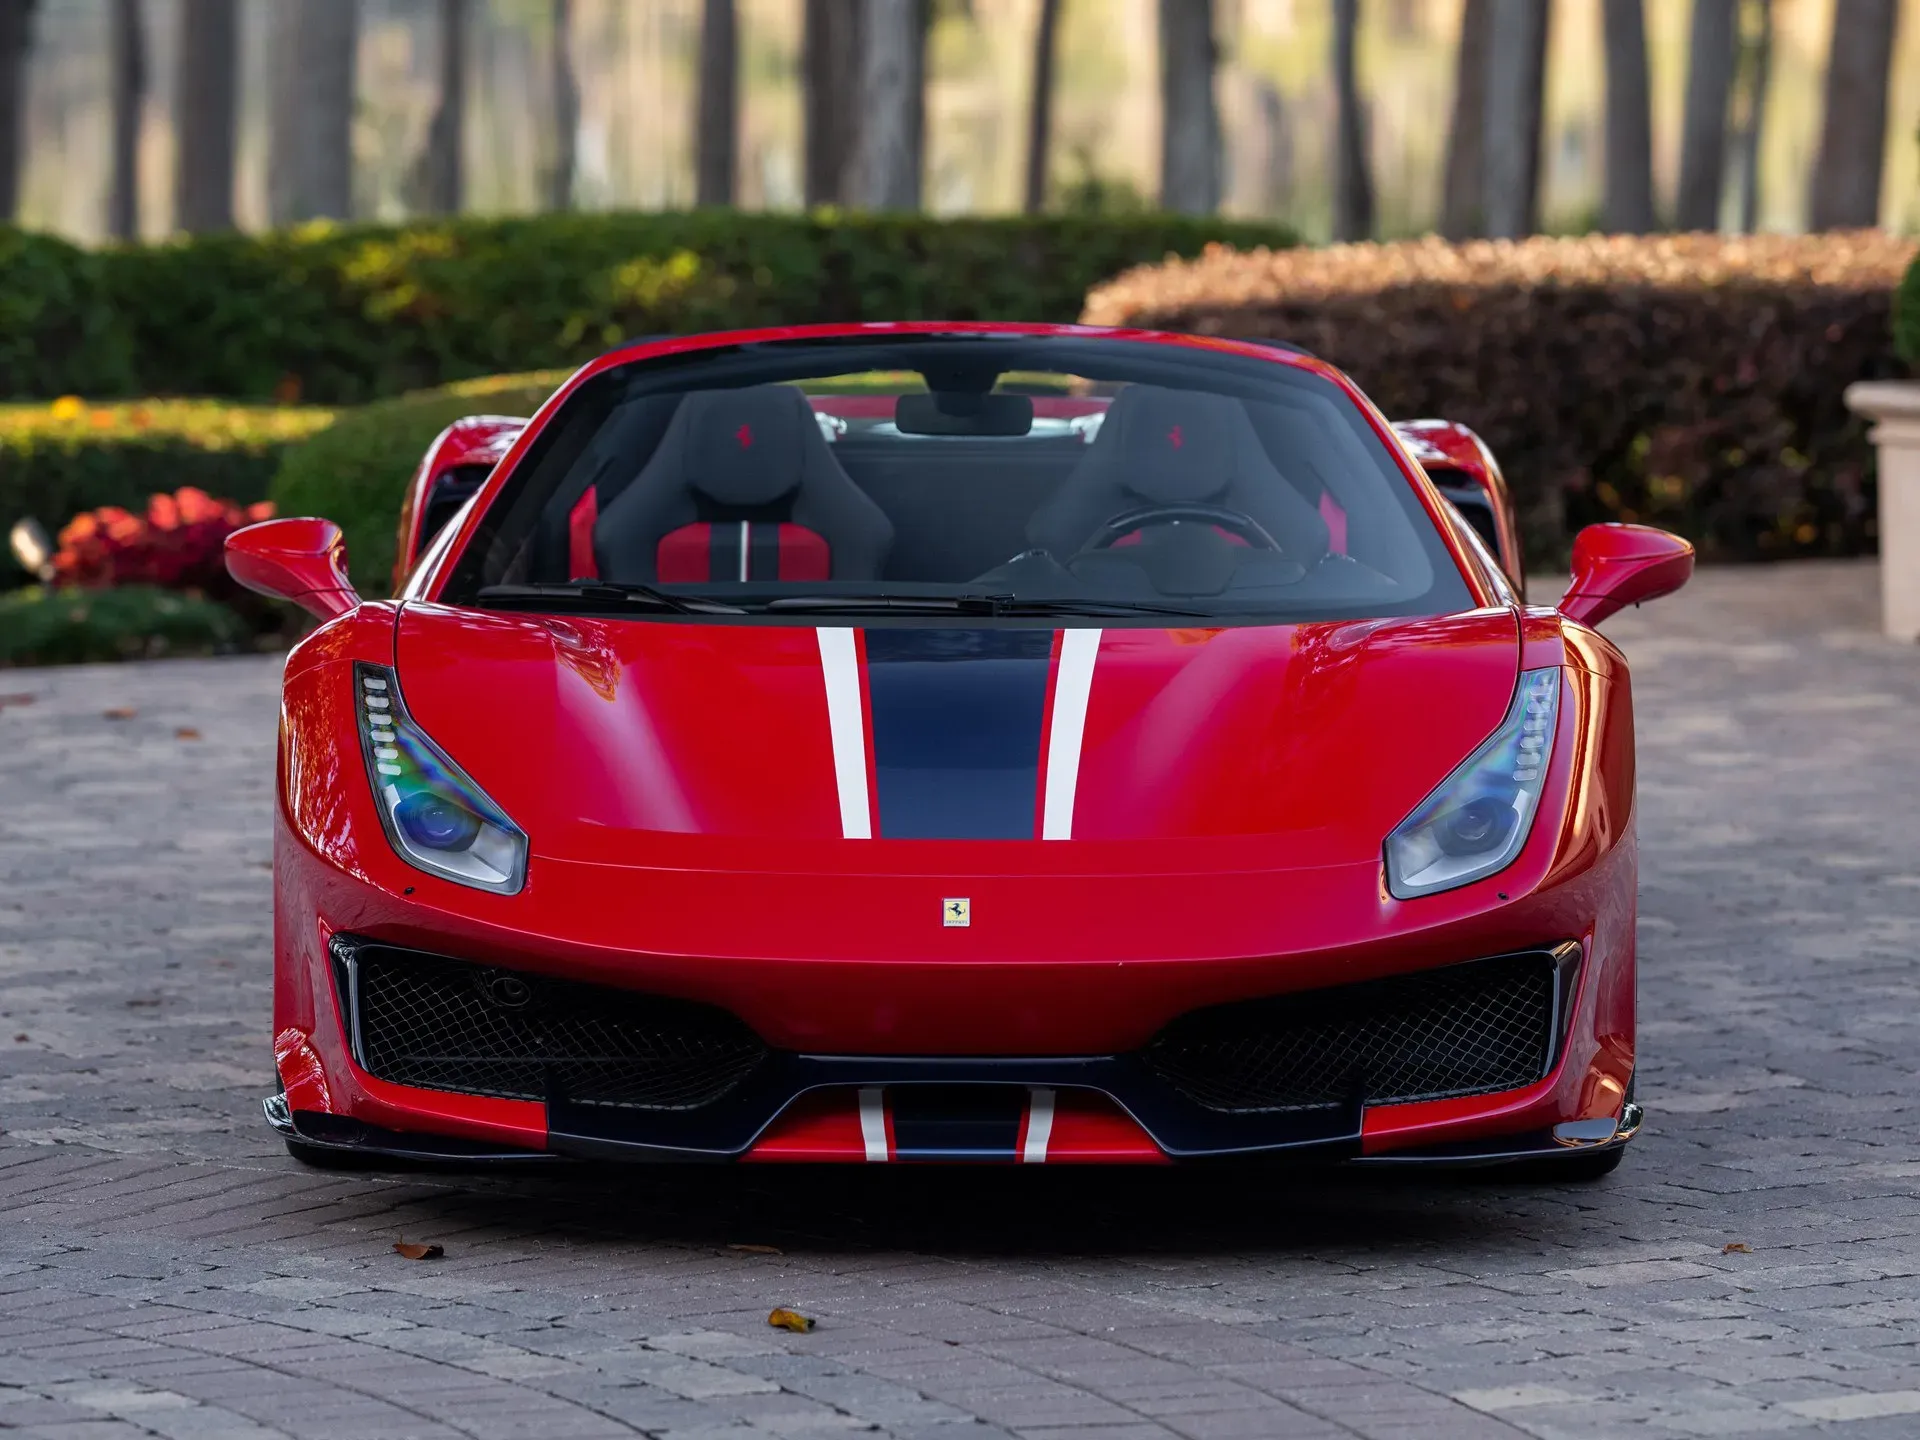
[(165, 1269)]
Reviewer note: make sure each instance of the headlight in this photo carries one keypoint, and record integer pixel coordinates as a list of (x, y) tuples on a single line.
[(436, 818), (1478, 819)]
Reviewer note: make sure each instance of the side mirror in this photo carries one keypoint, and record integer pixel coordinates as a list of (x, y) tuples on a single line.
[(304, 561), (1615, 566)]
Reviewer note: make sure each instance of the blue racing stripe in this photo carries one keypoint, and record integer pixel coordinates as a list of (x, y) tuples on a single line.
[(956, 718)]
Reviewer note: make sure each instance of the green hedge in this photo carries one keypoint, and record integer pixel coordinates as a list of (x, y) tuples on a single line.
[(341, 314), (40, 626), (355, 471), (1906, 315), (60, 459)]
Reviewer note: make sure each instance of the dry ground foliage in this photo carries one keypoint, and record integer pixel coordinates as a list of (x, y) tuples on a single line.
[(1689, 381)]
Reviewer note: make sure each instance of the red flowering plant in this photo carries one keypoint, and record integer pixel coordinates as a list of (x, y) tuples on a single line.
[(177, 545)]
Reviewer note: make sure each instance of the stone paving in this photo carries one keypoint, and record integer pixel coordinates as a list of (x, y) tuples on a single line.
[(166, 1270)]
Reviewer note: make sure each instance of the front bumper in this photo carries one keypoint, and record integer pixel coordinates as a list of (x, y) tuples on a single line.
[(445, 1060)]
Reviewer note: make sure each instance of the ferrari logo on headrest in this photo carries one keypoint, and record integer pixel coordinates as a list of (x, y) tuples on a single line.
[(956, 912), (745, 436), (1175, 438)]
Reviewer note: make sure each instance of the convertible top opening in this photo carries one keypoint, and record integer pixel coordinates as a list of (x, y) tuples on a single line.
[(996, 474)]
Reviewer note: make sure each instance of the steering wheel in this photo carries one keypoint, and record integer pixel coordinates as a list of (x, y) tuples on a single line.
[(1233, 522)]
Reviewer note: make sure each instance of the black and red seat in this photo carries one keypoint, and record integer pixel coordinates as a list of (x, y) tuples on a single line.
[(1163, 447), (742, 486)]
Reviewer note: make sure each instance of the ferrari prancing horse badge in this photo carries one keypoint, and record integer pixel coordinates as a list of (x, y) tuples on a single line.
[(956, 912)]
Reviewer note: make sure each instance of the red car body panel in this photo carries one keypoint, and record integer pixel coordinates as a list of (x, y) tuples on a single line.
[(676, 780), (472, 442)]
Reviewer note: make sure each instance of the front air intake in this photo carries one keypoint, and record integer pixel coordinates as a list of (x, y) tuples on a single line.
[(443, 1024), (1460, 1030)]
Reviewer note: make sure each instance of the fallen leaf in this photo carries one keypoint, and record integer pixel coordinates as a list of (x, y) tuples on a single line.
[(758, 1249), (21, 1036), (186, 732), (414, 1250), (119, 712), (1736, 1247), (784, 1319), (15, 699)]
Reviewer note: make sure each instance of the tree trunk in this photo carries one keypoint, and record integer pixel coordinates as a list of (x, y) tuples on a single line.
[(16, 43), (440, 188), (1853, 139), (310, 144), (1703, 128), (566, 111), (1352, 177), (206, 102), (1189, 120), (886, 160), (830, 81), (1276, 171), (1040, 106), (1516, 86), (128, 46), (1627, 206), (1759, 72), (717, 108), (1462, 194)]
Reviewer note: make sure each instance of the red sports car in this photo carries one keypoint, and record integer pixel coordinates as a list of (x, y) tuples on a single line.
[(956, 742)]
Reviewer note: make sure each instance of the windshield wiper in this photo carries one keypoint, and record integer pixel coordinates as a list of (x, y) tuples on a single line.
[(982, 605), (623, 591)]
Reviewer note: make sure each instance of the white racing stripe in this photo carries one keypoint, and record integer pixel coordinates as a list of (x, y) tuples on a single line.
[(840, 663), (1039, 1127), (873, 1123), (1071, 686)]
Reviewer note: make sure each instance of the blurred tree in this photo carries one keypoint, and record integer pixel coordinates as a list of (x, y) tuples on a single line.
[(557, 189), (1352, 175), (716, 120), (1627, 203), (830, 84), (889, 122), (1276, 170), (438, 181), (1703, 127), (1040, 105), (1846, 173), (1189, 120), (1757, 51), (16, 43), (1462, 202), (127, 59), (206, 103), (1516, 86), (310, 132)]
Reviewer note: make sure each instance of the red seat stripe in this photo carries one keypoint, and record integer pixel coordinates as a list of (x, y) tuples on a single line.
[(580, 522), (685, 555)]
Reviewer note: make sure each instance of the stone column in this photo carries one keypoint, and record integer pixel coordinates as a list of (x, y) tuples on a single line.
[(1894, 407)]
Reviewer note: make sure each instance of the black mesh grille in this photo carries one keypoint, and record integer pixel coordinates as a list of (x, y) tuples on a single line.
[(446, 1025), (1461, 1030)]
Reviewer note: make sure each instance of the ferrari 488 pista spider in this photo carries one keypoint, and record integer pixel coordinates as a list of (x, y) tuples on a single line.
[(956, 742)]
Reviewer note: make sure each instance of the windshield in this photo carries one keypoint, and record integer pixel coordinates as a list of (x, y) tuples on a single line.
[(983, 472)]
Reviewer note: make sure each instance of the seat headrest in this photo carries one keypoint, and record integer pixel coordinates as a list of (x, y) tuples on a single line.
[(1179, 445), (743, 447)]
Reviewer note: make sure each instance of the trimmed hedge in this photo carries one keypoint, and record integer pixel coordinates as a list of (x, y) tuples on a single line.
[(1688, 381), (1906, 315), (341, 314), (355, 472), (59, 460), (43, 626)]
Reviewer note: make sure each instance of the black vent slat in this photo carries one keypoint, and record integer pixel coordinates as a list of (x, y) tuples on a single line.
[(446, 1025), (1459, 1030)]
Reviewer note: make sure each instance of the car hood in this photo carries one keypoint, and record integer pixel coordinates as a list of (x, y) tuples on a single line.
[(606, 738)]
